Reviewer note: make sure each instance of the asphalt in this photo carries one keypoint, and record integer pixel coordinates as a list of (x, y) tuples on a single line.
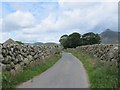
[(68, 72)]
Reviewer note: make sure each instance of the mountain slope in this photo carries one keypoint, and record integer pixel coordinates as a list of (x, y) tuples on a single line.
[(109, 37), (38, 43), (50, 43)]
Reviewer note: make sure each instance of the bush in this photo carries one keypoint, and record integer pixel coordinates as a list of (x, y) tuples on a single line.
[(19, 42)]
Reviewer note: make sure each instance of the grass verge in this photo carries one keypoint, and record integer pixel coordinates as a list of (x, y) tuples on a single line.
[(101, 75), (10, 82)]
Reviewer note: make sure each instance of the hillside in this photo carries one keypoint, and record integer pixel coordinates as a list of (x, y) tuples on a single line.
[(50, 43), (40, 43), (109, 37)]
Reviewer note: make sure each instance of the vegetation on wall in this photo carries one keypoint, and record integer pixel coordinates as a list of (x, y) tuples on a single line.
[(19, 42), (9, 82), (100, 75)]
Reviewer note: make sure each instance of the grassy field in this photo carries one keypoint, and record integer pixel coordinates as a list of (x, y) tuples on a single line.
[(100, 75), (12, 81)]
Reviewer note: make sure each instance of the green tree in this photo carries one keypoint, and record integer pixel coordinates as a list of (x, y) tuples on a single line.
[(63, 37), (71, 41), (64, 41), (74, 40), (90, 38)]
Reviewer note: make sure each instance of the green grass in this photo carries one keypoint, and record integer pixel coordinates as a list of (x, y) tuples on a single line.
[(0, 80), (10, 82), (100, 75)]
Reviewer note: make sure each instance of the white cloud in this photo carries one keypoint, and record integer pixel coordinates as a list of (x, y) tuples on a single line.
[(4, 36), (36, 37), (1, 10), (61, 0), (84, 19), (79, 17), (88, 0), (93, 13), (18, 20)]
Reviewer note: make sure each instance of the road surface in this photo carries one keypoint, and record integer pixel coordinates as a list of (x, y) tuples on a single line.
[(68, 72)]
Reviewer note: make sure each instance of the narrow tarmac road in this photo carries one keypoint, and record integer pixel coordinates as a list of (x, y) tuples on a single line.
[(68, 72)]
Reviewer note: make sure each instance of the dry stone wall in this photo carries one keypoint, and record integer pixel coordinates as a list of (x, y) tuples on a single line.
[(15, 58), (105, 52)]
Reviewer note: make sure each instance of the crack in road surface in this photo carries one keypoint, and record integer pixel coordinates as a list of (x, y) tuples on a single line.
[(68, 72)]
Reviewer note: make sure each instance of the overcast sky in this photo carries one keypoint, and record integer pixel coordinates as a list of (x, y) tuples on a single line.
[(47, 21)]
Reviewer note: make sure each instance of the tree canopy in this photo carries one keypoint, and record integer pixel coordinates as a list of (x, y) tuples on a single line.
[(90, 38), (75, 39)]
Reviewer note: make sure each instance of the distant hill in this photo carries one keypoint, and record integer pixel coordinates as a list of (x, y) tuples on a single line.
[(11, 41), (36, 43), (50, 43), (40, 43), (109, 37)]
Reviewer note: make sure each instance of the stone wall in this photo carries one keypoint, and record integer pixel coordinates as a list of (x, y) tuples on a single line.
[(15, 58), (105, 52)]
